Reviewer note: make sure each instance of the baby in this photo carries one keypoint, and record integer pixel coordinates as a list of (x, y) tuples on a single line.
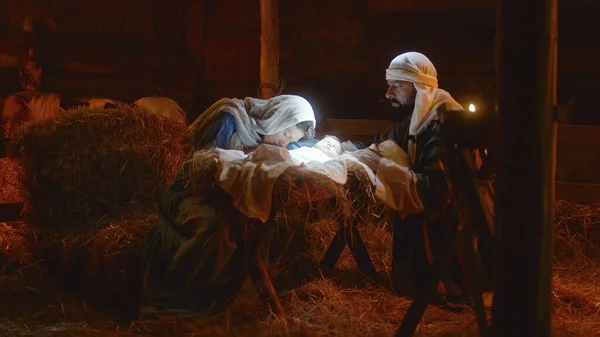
[(329, 145), (332, 147), (323, 151)]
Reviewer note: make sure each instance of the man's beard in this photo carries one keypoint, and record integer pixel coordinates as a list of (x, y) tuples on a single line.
[(400, 113)]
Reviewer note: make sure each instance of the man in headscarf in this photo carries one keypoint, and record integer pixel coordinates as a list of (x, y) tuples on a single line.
[(413, 87)]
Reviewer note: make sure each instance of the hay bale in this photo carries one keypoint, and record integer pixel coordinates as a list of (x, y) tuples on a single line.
[(104, 266), (11, 190), (577, 229), (14, 242), (318, 308), (114, 268), (85, 164)]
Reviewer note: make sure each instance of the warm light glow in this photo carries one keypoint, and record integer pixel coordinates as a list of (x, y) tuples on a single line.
[(472, 107)]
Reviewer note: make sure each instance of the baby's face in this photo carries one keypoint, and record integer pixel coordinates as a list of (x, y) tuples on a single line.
[(330, 146)]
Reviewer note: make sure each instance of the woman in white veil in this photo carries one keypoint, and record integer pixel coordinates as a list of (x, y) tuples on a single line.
[(237, 124), (189, 267)]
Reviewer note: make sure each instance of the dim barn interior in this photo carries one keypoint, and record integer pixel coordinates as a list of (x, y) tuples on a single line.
[(299, 168)]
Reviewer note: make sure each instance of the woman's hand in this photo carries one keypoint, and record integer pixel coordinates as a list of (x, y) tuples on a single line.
[(248, 150)]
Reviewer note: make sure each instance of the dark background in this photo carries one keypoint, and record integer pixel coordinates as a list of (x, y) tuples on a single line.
[(334, 52)]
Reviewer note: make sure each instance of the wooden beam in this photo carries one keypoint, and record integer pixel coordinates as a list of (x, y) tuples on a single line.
[(194, 33), (9, 61), (525, 180), (585, 193), (126, 90), (126, 64), (393, 6), (406, 6), (138, 55), (582, 135), (269, 48), (359, 128)]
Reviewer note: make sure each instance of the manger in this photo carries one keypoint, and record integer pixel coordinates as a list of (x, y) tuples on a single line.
[(229, 217)]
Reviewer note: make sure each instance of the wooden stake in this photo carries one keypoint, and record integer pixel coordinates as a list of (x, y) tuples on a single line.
[(554, 79), (269, 48), (525, 180)]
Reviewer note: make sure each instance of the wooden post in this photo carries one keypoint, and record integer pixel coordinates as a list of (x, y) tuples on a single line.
[(554, 79), (269, 48), (525, 180)]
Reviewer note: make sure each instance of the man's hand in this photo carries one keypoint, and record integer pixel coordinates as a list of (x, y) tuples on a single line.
[(348, 146), (368, 157), (392, 151)]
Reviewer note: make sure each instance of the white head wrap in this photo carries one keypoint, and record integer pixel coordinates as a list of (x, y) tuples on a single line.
[(417, 68), (254, 117)]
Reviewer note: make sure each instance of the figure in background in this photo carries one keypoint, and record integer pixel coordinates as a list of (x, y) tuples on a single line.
[(189, 261), (28, 106), (161, 106)]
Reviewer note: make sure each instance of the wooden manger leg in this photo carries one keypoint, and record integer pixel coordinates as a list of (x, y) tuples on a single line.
[(471, 266), (408, 251), (351, 237), (260, 276), (335, 249), (469, 209), (427, 290), (257, 251)]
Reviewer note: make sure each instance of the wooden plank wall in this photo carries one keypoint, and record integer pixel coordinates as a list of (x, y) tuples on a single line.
[(334, 52), (112, 48)]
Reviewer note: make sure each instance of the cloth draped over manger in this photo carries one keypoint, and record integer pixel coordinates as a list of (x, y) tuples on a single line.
[(194, 260), (250, 179)]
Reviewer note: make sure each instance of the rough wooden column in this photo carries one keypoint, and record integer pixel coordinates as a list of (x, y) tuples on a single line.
[(269, 48), (525, 181)]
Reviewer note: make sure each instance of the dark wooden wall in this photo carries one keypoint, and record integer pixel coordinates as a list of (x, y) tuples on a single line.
[(334, 52)]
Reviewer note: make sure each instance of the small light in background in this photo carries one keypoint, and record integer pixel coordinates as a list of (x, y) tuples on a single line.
[(472, 107)]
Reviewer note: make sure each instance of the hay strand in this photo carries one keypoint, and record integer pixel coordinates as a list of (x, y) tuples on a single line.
[(10, 186), (577, 231), (318, 308)]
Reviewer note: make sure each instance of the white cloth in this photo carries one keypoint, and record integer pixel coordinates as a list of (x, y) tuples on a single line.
[(161, 106), (397, 188), (308, 154), (417, 68), (250, 179), (391, 150), (250, 185), (255, 116)]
